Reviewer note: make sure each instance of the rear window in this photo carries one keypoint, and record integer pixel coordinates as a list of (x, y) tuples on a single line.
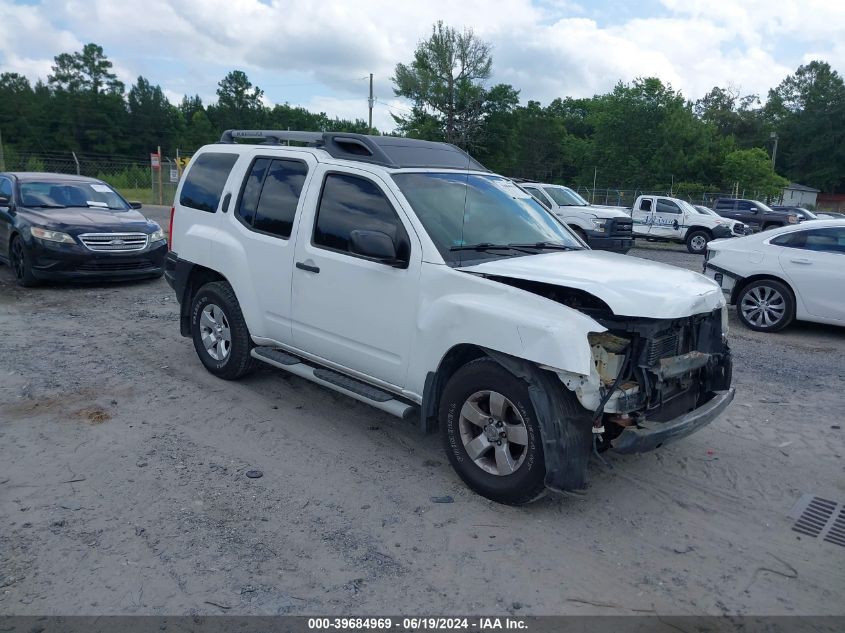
[(205, 181)]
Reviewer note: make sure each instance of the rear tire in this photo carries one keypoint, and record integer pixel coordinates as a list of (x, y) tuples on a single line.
[(765, 305), (220, 334), (697, 241), (491, 433)]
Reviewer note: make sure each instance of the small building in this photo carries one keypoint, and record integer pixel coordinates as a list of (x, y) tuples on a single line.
[(796, 195)]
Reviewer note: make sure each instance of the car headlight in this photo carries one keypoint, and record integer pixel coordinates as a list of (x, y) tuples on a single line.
[(157, 235), (599, 224), (51, 236)]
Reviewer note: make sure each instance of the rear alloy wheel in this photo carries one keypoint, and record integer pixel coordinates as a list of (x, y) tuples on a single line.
[(221, 337), (21, 266), (765, 306), (697, 242), (491, 433)]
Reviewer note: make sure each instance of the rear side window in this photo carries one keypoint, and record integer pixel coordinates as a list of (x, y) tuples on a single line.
[(349, 203), (830, 240), (270, 195), (279, 197), (667, 206), (252, 189), (205, 181)]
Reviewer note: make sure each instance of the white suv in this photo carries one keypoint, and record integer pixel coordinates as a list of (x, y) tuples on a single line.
[(405, 275)]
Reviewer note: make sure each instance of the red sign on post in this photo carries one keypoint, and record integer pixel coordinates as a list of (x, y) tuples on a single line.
[(155, 161)]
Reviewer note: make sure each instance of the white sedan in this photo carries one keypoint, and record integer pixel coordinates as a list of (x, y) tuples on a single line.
[(792, 272)]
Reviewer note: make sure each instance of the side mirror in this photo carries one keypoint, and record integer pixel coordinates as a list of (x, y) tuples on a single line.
[(135, 204), (375, 245)]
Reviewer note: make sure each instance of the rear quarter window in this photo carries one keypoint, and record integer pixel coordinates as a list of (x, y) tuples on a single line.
[(205, 181)]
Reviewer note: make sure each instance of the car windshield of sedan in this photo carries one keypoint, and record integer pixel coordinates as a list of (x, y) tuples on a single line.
[(475, 216), (59, 194)]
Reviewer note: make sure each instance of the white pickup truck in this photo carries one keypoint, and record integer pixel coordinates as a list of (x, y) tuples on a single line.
[(405, 275), (603, 228), (668, 219)]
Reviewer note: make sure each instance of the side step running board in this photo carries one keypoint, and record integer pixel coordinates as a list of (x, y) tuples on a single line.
[(336, 381)]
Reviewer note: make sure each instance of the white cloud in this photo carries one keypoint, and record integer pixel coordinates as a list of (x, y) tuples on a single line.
[(546, 49)]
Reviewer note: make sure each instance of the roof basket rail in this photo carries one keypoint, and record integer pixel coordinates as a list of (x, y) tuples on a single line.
[(389, 151), (273, 136)]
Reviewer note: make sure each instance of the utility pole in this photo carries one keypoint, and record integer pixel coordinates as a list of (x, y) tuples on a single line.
[(593, 194), (2, 155), (774, 137), (370, 101)]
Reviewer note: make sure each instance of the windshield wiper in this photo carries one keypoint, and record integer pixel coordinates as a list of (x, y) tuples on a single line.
[(488, 246), (46, 206), (545, 246)]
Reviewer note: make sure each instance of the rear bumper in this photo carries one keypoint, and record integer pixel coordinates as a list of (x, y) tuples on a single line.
[(651, 435)]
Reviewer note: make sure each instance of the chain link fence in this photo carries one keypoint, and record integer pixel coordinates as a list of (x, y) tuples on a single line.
[(626, 197), (135, 178)]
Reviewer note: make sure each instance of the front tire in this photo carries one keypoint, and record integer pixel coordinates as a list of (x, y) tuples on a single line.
[(697, 241), (21, 266), (220, 334), (765, 305), (491, 433)]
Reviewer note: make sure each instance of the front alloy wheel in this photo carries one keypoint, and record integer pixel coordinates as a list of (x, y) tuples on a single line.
[(493, 433), (765, 306), (20, 263)]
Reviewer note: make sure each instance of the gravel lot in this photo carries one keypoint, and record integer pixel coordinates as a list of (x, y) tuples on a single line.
[(123, 487)]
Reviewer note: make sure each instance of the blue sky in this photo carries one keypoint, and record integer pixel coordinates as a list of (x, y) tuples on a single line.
[(319, 54)]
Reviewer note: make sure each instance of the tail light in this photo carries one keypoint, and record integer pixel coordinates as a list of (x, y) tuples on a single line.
[(170, 229)]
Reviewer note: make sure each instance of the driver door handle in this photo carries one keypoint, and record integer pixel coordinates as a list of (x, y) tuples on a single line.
[(801, 260), (309, 268)]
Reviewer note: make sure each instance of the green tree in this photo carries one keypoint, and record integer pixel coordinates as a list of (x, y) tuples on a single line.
[(152, 118), (807, 111), (444, 82), (88, 70), (646, 133), (239, 103), (752, 170)]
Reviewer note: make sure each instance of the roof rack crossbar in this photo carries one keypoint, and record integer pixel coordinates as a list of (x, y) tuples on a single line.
[(229, 136)]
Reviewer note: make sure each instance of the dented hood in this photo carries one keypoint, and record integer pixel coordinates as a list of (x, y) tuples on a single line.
[(629, 285)]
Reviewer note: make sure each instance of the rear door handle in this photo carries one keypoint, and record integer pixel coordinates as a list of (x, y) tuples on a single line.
[(801, 261), (308, 267)]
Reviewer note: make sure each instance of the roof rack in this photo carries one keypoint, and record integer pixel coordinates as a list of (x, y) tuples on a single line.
[(388, 151)]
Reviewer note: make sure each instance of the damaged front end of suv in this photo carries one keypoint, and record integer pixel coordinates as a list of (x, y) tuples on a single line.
[(655, 380), (652, 380)]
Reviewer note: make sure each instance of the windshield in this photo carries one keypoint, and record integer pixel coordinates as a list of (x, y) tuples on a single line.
[(565, 197), (705, 210), (686, 206), (461, 211), (763, 207), (58, 194)]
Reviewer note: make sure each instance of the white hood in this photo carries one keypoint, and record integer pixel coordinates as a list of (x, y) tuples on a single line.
[(629, 285)]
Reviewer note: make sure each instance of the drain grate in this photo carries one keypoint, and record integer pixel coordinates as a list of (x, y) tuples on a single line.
[(820, 518)]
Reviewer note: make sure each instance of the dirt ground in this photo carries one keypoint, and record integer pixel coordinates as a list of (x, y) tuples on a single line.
[(123, 487)]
